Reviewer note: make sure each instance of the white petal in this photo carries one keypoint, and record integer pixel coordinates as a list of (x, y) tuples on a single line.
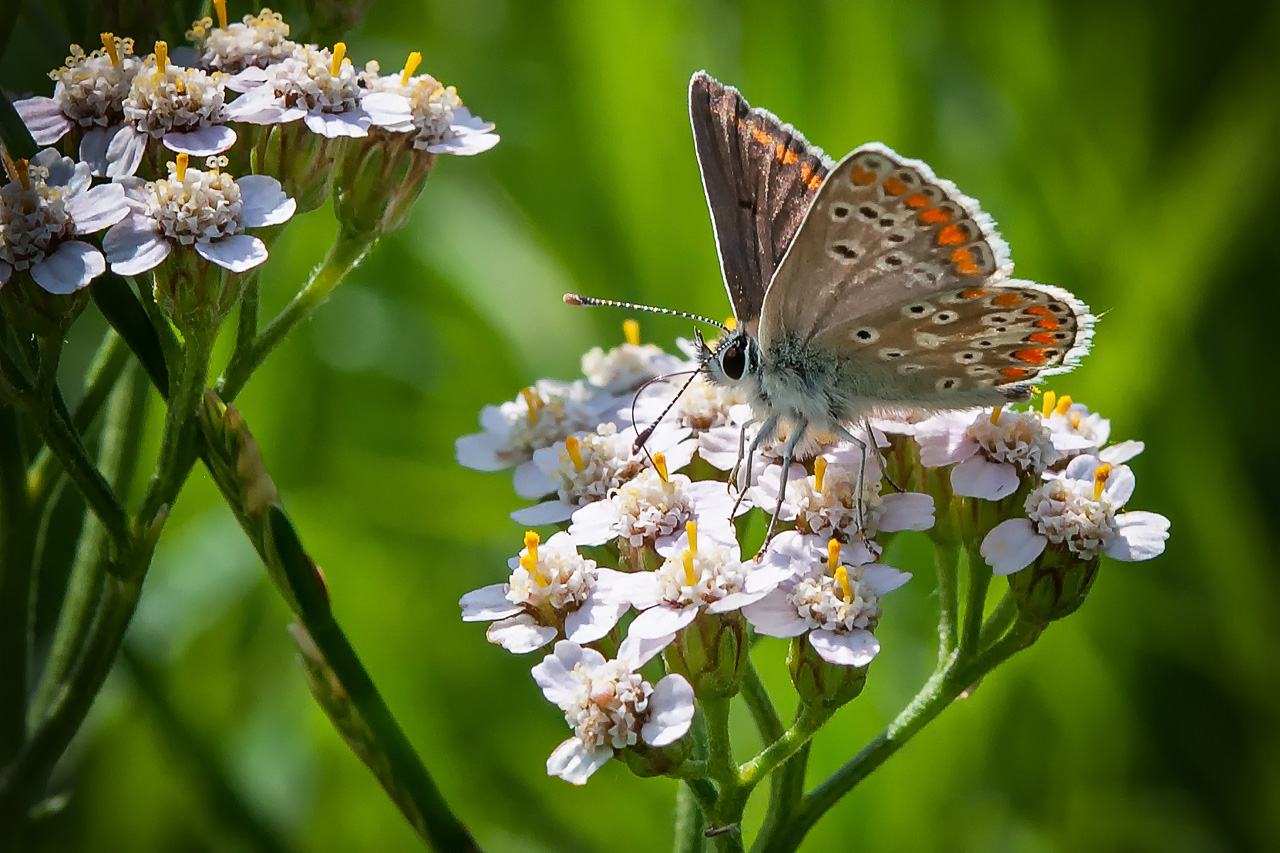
[(594, 523), (354, 123), (204, 142), (856, 648), (662, 620), (1121, 452), (237, 253), (487, 603), (775, 616), (44, 118), (71, 266), (638, 651), (521, 634), (593, 620), (670, 711), (134, 245), (906, 511), (465, 144), (530, 482), (388, 110), (1069, 441), (98, 208), (1141, 536), (555, 674), (250, 78), (944, 439), (124, 152), (1120, 485), (978, 477), (480, 452), (63, 171), (1012, 545), (736, 601), (573, 762), (643, 589), (264, 201), (547, 512), (883, 579), (93, 148)]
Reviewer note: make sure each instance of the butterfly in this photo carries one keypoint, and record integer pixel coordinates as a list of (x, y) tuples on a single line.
[(868, 287)]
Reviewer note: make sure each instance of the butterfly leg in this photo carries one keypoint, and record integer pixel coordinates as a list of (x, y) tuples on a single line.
[(787, 453), (863, 449), (765, 433), (884, 464), (742, 449)]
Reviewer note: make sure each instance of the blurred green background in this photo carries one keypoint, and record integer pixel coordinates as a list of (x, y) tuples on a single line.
[(1129, 152)]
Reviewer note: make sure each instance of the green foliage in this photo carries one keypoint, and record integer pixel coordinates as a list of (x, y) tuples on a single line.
[(1129, 153)]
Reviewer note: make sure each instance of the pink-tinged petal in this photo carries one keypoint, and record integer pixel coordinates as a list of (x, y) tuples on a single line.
[(574, 763), (203, 142), (530, 482), (332, 125), (1121, 452), (979, 477), (388, 110), (670, 711), (1012, 545), (521, 634), (134, 245), (487, 603), (124, 152), (71, 266), (44, 118), (265, 203), (944, 439), (775, 616), (1140, 536), (593, 620), (764, 494), (479, 452), (883, 579), (736, 601), (465, 144), (637, 651), (540, 515), (906, 511), (237, 253), (6, 270), (100, 207), (855, 648), (662, 620), (594, 523)]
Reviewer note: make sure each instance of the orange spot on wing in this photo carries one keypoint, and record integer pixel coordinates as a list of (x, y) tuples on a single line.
[(935, 216), (893, 186), (811, 179), (1013, 374), (917, 200), (1040, 310), (1007, 300), (762, 136), (963, 259), (951, 235), (1049, 323), (1034, 355), (975, 292), (786, 155), (1041, 338), (862, 177)]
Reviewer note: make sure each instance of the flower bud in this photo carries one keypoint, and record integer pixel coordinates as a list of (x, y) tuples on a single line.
[(379, 179), (710, 653), (645, 761), (41, 313), (194, 292), (821, 684), (1055, 585), (304, 162)]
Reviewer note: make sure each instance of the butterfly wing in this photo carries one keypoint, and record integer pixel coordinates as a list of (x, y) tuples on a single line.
[(896, 269), (760, 177)]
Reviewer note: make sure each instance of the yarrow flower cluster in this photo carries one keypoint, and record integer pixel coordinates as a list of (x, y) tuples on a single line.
[(606, 467)]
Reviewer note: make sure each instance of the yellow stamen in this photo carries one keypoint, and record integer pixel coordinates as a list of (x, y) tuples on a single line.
[(221, 7), (1050, 400), (660, 463), (533, 401), (819, 473), (1075, 421), (833, 554), (531, 541), (109, 45), (631, 332), (995, 415), (689, 577), (339, 51), (410, 65), (529, 562), (842, 577), (692, 529), (162, 56), (572, 445), (181, 162), (1100, 477), (1064, 403), (24, 175)]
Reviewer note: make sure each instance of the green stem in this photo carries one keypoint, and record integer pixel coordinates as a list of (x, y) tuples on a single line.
[(689, 823), (1002, 616), (759, 704), (975, 601), (346, 252), (17, 569), (785, 795), (947, 557), (808, 720), (720, 757)]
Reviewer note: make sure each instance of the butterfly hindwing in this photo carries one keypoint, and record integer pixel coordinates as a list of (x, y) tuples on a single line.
[(760, 177)]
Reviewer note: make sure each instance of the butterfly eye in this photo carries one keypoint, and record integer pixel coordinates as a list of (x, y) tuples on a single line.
[(734, 360)]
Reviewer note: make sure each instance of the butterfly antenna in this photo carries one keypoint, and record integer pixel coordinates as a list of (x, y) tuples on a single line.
[(592, 302), (643, 436)]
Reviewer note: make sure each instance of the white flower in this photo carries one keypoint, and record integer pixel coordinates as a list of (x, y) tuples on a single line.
[(1079, 513), (542, 415), (714, 412), (697, 579), (993, 449), (89, 93), (207, 209), (609, 706), (312, 84), (552, 591), (588, 466), (257, 40), (625, 368), (47, 203), (421, 106), (724, 446), (826, 503), (838, 609), (1064, 416), (652, 510)]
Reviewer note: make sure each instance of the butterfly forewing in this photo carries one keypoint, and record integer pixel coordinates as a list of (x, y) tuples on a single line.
[(760, 177)]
